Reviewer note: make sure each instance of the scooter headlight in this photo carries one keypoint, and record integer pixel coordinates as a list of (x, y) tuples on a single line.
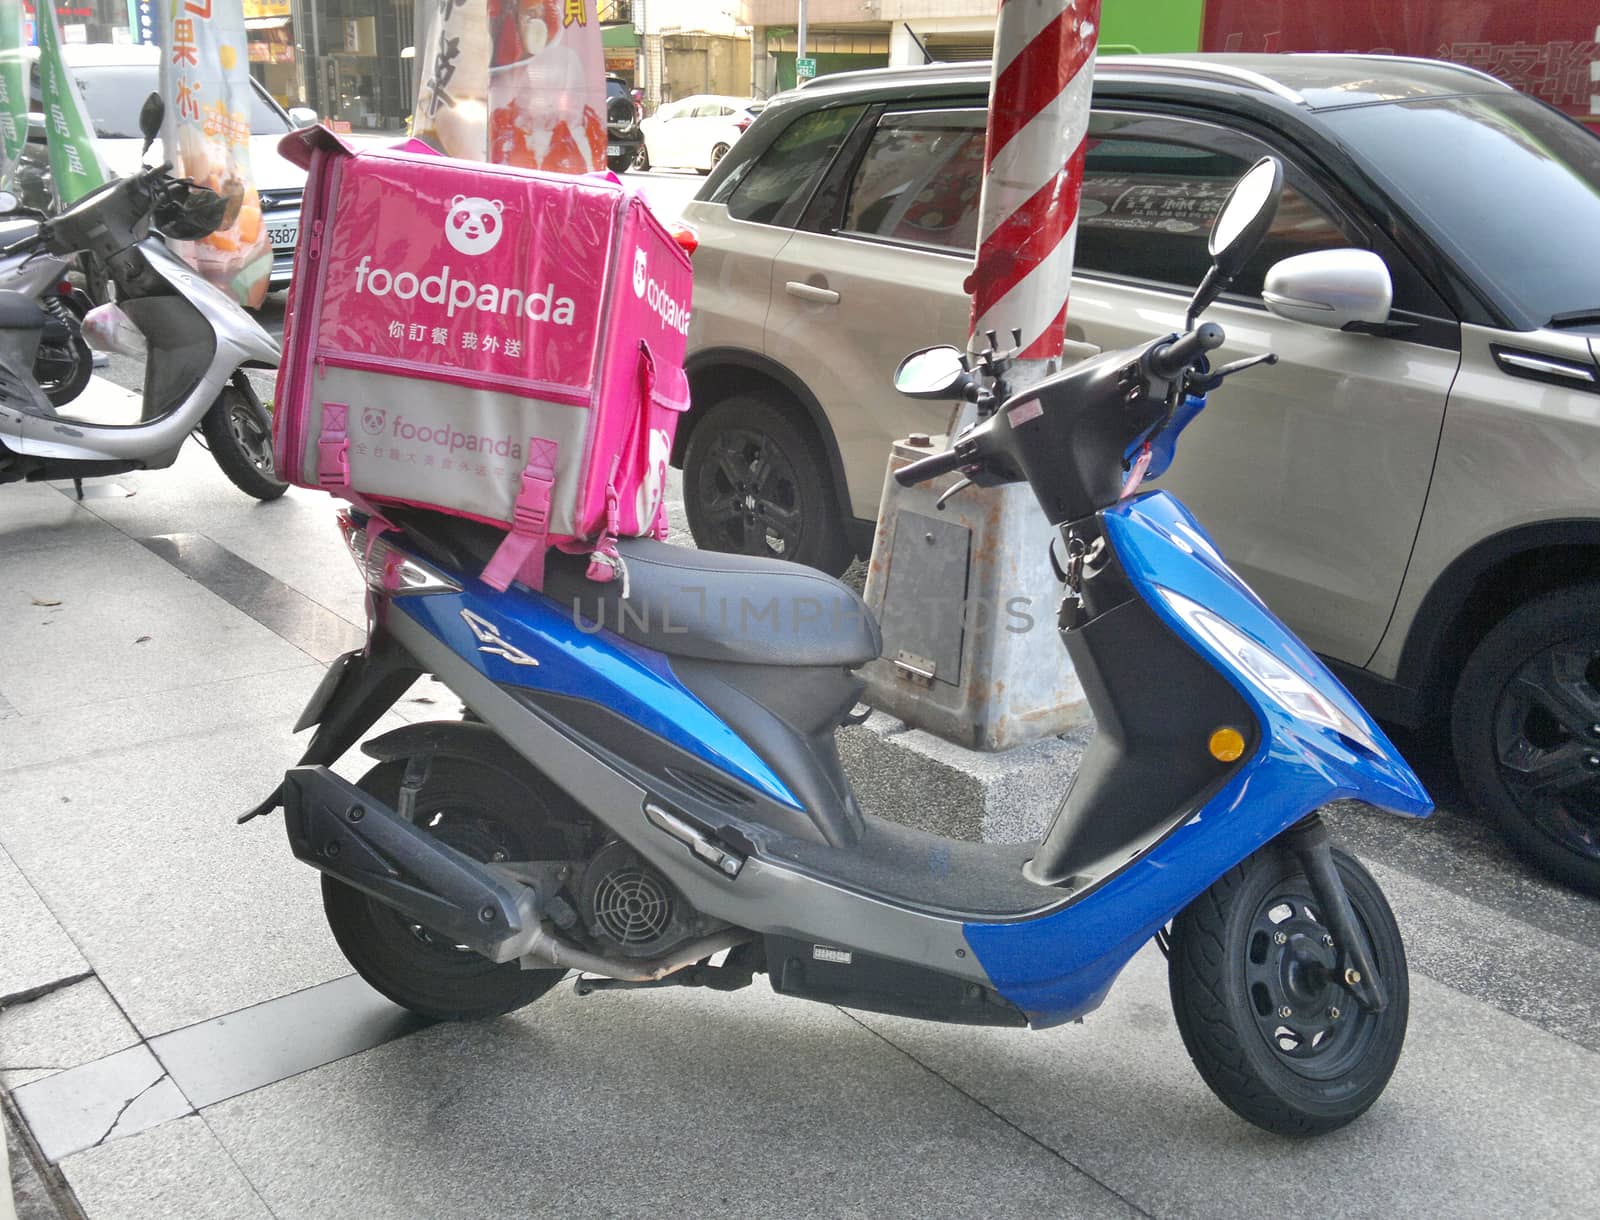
[(1273, 677)]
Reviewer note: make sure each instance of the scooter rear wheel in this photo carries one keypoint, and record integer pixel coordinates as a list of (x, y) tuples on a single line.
[(1268, 1024), (485, 814)]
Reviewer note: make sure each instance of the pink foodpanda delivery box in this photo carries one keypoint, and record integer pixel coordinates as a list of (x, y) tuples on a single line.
[(487, 341)]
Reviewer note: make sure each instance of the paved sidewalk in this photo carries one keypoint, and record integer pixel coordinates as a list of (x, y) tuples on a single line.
[(184, 1039)]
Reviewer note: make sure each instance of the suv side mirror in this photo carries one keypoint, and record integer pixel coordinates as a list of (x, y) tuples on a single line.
[(1236, 232), (1331, 288), (302, 116)]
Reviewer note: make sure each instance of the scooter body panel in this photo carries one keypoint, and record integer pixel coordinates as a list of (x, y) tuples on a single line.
[(1060, 965), (572, 657)]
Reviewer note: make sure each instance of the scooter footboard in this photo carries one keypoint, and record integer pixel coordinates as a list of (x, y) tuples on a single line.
[(348, 834)]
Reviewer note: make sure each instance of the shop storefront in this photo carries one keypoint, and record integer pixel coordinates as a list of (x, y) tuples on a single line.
[(269, 27), (85, 21)]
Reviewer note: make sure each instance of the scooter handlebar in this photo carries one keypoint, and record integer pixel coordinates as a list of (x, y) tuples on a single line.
[(930, 467), (1168, 360)]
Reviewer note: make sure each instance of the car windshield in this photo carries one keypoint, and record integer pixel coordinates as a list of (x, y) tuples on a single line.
[(1509, 188), (113, 96)]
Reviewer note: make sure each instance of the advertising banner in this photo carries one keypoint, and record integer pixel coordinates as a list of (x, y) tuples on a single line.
[(516, 82), (205, 82), (13, 91), (453, 77), (74, 161), (1548, 49)]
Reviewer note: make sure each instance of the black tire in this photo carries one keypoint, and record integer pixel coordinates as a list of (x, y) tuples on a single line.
[(238, 431), (718, 151), (1525, 727), (1230, 979), (483, 813), (63, 369), (619, 165), (641, 162), (756, 483)]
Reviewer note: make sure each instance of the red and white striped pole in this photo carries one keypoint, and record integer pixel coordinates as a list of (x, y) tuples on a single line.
[(1033, 176)]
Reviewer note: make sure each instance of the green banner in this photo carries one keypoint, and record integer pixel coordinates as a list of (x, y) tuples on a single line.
[(13, 91), (74, 162)]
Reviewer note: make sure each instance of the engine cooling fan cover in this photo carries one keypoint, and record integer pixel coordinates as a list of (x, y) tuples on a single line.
[(629, 907)]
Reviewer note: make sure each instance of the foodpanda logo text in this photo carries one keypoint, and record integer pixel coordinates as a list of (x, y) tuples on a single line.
[(442, 287), (456, 441), (656, 297)]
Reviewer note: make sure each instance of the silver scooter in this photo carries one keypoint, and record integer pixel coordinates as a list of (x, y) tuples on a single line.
[(197, 341)]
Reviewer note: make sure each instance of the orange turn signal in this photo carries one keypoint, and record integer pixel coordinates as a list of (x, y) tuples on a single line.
[(1226, 745)]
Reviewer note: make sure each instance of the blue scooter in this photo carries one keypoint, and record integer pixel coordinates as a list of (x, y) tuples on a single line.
[(645, 787)]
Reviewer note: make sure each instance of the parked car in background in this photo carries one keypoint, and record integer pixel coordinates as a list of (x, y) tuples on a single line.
[(114, 82), (1415, 487), (623, 137), (696, 132)]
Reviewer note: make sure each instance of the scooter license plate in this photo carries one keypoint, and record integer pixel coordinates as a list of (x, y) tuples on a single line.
[(613, 150), (283, 237)]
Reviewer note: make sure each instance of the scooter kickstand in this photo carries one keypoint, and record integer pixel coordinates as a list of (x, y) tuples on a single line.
[(77, 486), (1313, 848)]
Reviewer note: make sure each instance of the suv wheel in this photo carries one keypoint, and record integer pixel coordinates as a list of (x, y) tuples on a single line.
[(1526, 731), (755, 483)]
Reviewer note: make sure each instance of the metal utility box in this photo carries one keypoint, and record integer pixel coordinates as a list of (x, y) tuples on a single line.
[(967, 600)]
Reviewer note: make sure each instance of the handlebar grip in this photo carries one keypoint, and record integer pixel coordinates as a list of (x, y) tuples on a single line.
[(930, 467), (1170, 359)]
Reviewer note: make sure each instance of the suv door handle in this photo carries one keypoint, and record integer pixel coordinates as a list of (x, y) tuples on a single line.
[(810, 292)]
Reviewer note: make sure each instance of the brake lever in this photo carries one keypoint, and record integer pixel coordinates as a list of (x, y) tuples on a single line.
[(950, 491), (1204, 383)]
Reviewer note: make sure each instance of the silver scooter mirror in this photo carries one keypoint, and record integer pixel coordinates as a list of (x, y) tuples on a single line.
[(150, 116), (1238, 229), (9, 203), (932, 372)]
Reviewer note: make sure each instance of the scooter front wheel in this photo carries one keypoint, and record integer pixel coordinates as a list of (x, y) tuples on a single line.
[(238, 432), (1265, 1017)]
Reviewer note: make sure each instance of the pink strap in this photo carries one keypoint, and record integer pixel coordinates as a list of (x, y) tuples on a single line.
[(333, 448), (521, 555)]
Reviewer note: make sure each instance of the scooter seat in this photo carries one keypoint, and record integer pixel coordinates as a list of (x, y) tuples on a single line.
[(18, 311), (686, 603), (717, 607)]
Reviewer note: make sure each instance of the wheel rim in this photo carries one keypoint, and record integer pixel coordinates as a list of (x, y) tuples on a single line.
[(1547, 743), (717, 153), (1304, 1014), (55, 367), (749, 495), (254, 441)]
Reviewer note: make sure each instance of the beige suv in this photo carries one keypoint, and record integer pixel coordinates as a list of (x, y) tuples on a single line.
[(1417, 494)]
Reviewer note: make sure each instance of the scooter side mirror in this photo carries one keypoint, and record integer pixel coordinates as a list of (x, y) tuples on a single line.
[(932, 372), (1238, 229), (9, 203), (302, 116), (150, 116)]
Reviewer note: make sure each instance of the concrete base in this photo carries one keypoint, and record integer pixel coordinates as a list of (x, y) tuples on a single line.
[(910, 776)]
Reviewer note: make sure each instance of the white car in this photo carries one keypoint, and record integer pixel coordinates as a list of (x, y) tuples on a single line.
[(695, 132), (114, 82)]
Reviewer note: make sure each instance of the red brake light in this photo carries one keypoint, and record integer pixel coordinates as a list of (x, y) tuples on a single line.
[(741, 124), (64, 288), (685, 236)]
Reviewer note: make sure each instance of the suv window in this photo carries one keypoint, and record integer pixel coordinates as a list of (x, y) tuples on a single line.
[(773, 188), (1148, 204), (919, 180)]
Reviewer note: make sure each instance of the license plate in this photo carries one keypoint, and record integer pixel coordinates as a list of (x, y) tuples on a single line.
[(282, 236), (613, 150)]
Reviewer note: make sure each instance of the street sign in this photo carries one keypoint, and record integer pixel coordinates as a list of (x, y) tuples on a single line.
[(805, 67)]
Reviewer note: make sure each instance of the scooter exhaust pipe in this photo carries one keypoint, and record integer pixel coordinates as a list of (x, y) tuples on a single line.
[(340, 830)]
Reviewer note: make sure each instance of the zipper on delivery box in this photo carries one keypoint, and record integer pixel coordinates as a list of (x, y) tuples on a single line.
[(314, 250)]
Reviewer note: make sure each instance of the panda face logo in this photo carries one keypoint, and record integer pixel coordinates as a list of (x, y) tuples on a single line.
[(473, 226), (372, 420), (640, 272)]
